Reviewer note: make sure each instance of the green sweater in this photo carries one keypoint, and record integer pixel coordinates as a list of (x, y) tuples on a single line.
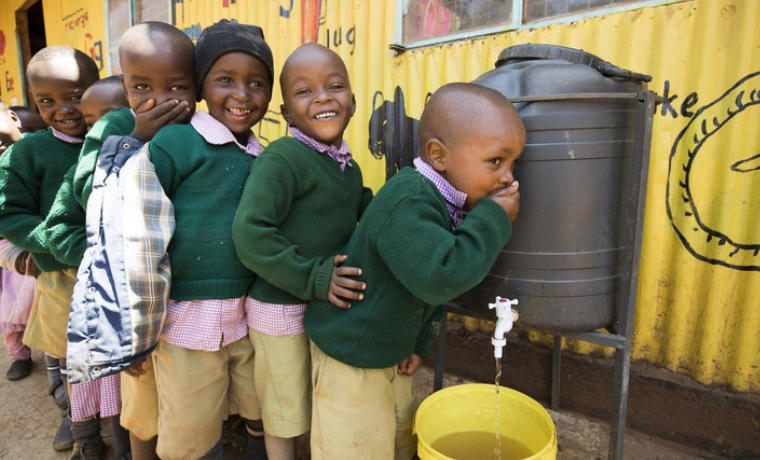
[(204, 182), (298, 210), (413, 260), (31, 171)]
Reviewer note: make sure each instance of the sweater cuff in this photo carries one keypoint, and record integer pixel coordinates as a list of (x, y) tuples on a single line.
[(322, 281)]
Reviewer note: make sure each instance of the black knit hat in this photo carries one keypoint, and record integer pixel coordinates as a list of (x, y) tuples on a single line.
[(225, 37)]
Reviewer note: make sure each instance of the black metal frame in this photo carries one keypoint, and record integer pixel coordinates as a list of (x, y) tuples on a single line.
[(622, 339)]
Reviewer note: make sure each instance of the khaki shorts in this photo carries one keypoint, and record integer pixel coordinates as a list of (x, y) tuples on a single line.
[(139, 403), (283, 382), (49, 317), (196, 390), (375, 406)]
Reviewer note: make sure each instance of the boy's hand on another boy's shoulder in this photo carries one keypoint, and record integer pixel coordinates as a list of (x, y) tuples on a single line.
[(137, 370), (343, 287), (508, 198), (410, 365), (150, 118)]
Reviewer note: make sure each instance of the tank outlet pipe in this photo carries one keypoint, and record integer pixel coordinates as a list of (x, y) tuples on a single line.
[(506, 316)]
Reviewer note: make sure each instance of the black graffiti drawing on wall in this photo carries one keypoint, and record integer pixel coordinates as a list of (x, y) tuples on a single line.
[(718, 228), (392, 134), (274, 120)]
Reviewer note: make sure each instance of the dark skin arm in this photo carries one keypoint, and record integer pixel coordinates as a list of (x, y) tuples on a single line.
[(410, 365), (343, 287), (150, 118)]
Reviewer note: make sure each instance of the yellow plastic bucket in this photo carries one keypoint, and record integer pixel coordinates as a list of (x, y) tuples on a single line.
[(473, 407)]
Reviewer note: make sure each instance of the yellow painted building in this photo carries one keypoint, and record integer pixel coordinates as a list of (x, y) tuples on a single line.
[(698, 308)]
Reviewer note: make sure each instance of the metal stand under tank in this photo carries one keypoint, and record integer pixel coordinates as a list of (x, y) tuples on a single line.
[(599, 309)]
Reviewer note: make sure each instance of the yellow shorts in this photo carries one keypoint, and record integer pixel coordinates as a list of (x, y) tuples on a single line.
[(139, 403), (283, 382), (196, 390), (49, 317), (374, 405)]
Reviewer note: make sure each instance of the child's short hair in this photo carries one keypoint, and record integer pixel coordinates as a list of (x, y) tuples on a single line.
[(226, 37), (453, 108), (87, 66), (108, 81), (133, 40)]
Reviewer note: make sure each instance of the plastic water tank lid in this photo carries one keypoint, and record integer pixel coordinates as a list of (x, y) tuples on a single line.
[(576, 56)]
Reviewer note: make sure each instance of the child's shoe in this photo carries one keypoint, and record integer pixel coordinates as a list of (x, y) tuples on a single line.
[(64, 440), (88, 448), (19, 369)]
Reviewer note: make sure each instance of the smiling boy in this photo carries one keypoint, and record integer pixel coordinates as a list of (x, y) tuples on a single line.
[(203, 362), (300, 205), (31, 172)]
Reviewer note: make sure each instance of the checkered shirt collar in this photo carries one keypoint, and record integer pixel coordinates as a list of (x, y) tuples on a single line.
[(342, 155), (65, 137), (454, 198)]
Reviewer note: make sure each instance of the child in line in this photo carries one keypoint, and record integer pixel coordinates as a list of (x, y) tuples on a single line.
[(31, 121), (416, 253), (102, 397), (16, 290), (102, 97), (157, 65), (203, 362), (30, 174), (300, 205)]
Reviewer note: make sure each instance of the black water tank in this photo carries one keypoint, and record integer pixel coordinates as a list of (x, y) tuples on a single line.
[(563, 262)]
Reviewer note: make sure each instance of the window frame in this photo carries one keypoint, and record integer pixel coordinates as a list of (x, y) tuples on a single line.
[(515, 24), (132, 8)]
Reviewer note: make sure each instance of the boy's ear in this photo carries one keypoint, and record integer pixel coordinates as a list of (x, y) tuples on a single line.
[(15, 119), (285, 114), (436, 154)]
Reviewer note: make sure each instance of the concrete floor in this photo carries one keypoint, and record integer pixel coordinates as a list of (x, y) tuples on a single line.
[(29, 420)]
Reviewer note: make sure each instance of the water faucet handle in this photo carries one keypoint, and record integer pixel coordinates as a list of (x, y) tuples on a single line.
[(503, 306)]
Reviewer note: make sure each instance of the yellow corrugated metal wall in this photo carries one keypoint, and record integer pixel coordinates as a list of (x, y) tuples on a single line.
[(698, 311)]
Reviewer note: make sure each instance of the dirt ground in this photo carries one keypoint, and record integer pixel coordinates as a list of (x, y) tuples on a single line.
[(29, 419)]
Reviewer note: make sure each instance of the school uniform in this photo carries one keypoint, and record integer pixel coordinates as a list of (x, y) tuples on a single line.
[(415, 256)]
